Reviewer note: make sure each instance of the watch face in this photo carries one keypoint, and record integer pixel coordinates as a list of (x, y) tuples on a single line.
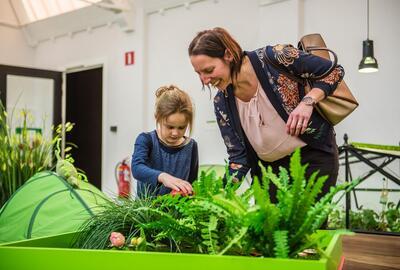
[(308, 101)]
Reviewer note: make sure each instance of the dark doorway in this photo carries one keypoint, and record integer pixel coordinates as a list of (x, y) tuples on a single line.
[(84, 109)]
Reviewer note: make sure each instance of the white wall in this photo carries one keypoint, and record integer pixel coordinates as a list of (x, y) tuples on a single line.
[(377, 118), (160, 43), (122, 85), (13, 47)]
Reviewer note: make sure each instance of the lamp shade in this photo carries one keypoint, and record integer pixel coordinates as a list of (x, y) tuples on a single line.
[(368, 63)]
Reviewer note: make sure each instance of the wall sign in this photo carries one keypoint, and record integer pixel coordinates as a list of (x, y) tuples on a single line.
[(129, 58)]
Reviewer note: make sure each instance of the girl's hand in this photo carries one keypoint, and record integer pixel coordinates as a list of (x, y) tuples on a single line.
[(298, 119), (175, 183)]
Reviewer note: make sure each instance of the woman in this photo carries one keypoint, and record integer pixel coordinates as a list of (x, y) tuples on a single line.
[(262, 114)]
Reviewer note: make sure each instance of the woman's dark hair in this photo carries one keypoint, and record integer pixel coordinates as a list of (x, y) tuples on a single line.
[(214, 43)]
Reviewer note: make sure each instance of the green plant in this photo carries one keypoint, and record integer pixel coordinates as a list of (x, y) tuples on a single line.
[(66, 169), (218, 220), (336, 219), (22, 154), (367, 219), (140, 218), (392, 215)]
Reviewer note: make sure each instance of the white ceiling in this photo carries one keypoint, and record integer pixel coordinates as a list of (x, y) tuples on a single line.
[(29, 11), (104, 13)]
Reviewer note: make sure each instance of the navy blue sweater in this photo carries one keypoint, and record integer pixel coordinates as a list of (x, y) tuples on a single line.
[(151, 157)]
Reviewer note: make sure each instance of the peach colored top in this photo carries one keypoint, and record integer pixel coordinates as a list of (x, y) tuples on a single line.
[(265, 129)]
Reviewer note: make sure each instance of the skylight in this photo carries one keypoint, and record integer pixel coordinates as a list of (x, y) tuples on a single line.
[(29, 11)]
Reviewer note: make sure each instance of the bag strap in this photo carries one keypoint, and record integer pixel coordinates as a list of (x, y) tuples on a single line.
[(299, 79)]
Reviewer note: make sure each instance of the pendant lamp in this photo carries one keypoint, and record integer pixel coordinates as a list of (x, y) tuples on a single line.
[(368, 63)]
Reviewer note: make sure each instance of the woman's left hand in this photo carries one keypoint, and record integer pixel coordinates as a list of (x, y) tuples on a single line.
[(298, 119)]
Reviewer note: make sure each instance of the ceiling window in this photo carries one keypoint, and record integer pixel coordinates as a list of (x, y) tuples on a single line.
[(29, 11)]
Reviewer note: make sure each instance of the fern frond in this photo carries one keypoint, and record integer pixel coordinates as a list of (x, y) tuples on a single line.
[(275, 179), (281, 248), (264, 179), (307, 199), (295, 169), (297, 172), (233, 206), (260, 195), (239, 235), (284, 196), (208, 184), (209, 234), (315, 241), (202, 205), (247, 196), (284, 178), (272, 218), (313, 213)]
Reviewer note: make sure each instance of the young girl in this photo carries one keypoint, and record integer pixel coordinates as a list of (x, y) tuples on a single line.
[(164, 159)]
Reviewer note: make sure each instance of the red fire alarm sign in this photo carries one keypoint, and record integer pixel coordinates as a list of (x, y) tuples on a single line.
[(129, 58)]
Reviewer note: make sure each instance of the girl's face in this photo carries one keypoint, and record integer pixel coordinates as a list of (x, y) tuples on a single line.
[(172, 129), (212, 70)]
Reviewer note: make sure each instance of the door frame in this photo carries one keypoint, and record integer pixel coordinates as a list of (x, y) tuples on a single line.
[(59, 104), (35, 73), (82, 66)]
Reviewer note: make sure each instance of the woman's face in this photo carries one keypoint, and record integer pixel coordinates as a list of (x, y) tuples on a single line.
[(172, 129), (212, 70)]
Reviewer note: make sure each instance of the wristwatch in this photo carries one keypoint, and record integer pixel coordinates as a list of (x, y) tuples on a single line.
[(309, 101)]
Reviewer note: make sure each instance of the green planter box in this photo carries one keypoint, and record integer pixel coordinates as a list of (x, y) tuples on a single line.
[(54, 253)]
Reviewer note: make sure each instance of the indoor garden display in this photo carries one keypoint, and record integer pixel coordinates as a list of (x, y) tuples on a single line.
[(218, 220), (216, 228)]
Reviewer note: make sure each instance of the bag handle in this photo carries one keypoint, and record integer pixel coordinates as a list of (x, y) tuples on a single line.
[(334, 62)]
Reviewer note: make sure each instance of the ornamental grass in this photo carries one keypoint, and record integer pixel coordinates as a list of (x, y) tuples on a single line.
[(23, 153)]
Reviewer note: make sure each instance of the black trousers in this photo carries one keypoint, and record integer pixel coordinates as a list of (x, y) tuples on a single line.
[(326, 163)]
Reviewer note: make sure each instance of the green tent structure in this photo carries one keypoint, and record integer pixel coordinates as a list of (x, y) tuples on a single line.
[(47, 205)]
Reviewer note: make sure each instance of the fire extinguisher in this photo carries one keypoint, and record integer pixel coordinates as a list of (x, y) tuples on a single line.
[(123, 178)]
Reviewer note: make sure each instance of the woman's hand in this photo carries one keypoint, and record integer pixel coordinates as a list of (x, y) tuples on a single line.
[(175, 183), (297, 122), (298, 119)]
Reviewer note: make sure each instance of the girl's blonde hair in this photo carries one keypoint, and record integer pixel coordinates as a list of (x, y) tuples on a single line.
[(169, 100)]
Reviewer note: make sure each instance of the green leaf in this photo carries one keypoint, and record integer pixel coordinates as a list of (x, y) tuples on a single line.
[(281, 244)]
